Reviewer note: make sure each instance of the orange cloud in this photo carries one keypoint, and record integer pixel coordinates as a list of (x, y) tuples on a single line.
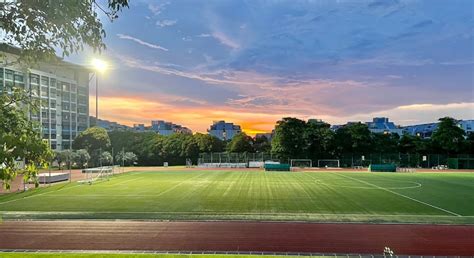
[(131, 110)]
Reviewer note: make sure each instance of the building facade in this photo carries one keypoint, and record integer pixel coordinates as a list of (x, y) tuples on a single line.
[(223, 130), (62, 92), (108, 125), (427, 130), (383, 125)]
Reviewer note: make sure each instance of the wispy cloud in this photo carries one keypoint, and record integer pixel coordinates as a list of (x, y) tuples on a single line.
[(225, 40), (203, 35), (141, 42), (166, 23), (157, 9)]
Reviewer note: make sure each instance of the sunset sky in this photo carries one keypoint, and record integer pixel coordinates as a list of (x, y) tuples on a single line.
[(254, 62)]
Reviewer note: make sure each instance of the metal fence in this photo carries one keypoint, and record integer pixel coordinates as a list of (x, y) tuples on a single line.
[(414, 160)]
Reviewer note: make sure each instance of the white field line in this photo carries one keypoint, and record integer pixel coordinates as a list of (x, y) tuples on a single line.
[(175, 186), (402, 195), (35, 195), (119, 183)]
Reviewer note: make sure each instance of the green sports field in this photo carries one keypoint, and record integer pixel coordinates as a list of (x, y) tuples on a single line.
[(255, 195)]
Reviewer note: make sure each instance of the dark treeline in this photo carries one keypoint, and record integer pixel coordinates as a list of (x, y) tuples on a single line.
[(296, 138), (293, 138)]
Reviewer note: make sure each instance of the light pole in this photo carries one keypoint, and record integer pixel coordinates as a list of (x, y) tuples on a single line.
[(99, 67)]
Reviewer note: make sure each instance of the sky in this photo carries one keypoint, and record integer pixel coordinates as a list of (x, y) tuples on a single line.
[(254, 62)]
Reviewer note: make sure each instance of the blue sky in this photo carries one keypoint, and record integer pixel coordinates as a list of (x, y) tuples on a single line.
[(253, 62)]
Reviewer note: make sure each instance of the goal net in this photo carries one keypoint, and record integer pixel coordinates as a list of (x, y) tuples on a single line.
[(97, 174), (328, 163), (301, 163)]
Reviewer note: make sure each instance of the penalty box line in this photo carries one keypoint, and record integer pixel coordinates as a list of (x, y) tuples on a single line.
[(402, 195)]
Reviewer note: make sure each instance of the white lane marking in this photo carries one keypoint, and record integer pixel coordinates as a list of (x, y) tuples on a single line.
[(402, 195), (122, 182), (415, 185), (40, 194)]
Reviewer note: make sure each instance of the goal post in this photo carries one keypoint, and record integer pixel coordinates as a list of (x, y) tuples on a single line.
[(301, 163), (97, 174), (328, 163)]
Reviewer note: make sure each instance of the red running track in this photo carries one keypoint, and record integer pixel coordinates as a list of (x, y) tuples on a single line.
[(238, 236)]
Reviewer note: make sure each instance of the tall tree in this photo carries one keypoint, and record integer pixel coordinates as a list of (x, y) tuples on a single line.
[(385, 143), (353, 138), (92, 139), (262, 144), (288, 141), (319, 140), (80, 158), (20, 139), (469, 144), (448, 136), (40, 27), (241, 142), (407, 143)]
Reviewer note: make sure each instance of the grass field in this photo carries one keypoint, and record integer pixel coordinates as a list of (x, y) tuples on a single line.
[(252, 195)]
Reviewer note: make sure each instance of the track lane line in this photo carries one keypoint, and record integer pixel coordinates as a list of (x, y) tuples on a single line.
[(402, 195)]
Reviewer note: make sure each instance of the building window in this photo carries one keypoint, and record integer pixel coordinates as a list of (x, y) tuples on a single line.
[(19, 77), (65, 86), (34, 79), (44, 81), (8, 74)]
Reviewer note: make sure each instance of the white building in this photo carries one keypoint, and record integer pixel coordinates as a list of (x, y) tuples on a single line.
[(62, 90)]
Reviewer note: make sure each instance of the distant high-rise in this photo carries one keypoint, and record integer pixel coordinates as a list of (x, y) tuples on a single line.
[(62, 90), (223, 130)]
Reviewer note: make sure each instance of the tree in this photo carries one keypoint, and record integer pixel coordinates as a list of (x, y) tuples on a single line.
[(80, 158), (240, 143), (262, 144), (353, 138), (62, 157), (319, 140), (39, 27), (408, 143), (469, 144), (385, 143), (289, 141), (20, 139), (92, 139), (448, 136), (106, 159), (128, 158), (208, 143)]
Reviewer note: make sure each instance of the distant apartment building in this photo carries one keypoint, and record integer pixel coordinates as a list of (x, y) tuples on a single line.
[(108, 125), (383, 125), (378, 125), (162, 127), (223, 130), (427, 130), (139, 127), (62, 90), (168, 128)]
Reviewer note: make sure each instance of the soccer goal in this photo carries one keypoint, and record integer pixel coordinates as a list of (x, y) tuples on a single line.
[(97, 174), (328, 163), (301, 163)]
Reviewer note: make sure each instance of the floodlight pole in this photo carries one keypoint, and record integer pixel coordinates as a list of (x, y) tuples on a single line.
[(96, 98)]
